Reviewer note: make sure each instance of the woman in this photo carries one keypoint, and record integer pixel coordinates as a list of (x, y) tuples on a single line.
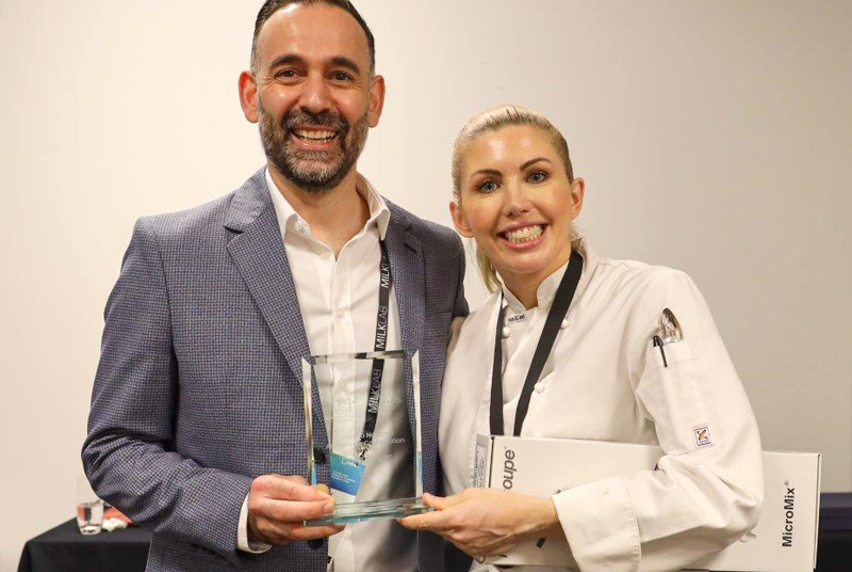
[(609, 375)]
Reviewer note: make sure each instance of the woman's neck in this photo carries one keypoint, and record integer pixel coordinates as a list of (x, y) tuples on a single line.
[(524, 286)]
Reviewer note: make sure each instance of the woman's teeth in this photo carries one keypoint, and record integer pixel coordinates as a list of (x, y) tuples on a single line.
[(315, 135), (524, 234)]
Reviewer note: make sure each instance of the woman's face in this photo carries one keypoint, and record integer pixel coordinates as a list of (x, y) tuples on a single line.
[(517, 202)]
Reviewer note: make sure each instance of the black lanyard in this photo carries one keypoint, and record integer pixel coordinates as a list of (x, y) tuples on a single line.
[(372, 415), (561, 303)]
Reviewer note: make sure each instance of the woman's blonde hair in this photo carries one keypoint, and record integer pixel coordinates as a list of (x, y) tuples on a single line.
[(489, 121)]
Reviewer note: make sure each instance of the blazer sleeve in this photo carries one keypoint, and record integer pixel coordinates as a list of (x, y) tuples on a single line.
[(460, 307), (129, 454), (707, 490)]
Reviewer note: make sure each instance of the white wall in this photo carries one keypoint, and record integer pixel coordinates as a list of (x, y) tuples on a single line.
[(714, 137)]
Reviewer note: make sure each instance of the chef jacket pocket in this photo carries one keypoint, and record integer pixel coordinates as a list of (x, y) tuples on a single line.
[(671, 393)]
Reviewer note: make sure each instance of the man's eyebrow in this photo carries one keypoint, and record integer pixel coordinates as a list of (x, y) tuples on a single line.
[(344, 62), (286, 59), (336, 61), (485, 172), (534, 161)]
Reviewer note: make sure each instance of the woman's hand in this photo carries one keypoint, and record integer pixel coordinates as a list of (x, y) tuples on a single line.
[(488, 522)]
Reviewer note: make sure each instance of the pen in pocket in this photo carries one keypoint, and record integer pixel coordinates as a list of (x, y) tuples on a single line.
[(658, 343)]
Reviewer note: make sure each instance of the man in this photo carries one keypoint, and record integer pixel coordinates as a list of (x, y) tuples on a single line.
[(197, 406)]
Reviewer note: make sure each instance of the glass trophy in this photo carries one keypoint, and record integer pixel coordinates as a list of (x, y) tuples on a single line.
[(371, 417)]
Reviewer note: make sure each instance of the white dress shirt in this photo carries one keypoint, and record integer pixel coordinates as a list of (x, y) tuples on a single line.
[(339, 301), (604, 380)]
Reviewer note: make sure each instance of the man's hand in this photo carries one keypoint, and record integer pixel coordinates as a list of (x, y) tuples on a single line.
[(488, 522), (278, 505)]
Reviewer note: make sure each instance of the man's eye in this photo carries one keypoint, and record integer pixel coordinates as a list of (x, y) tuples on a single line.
[(487, 187), (341, 76), (286, 73), (537, 177)]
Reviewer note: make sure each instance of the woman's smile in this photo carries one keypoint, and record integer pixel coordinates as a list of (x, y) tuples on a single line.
[(523, 237)]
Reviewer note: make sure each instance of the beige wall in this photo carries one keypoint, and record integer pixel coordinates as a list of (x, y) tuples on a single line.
[(715, 137)]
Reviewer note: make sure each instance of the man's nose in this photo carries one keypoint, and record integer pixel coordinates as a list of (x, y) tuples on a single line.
[(515, 199), (315, 96)]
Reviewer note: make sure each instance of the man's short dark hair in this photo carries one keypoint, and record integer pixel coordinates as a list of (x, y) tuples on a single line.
[(270, 7)]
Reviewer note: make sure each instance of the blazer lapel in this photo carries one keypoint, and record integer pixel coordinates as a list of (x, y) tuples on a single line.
[(407, 269), (258, 252)]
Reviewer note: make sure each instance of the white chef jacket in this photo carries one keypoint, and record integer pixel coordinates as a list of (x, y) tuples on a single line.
[(604, 380), (339, 302)]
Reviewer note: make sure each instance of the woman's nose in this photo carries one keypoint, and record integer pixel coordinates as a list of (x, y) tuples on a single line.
[(515, 199)]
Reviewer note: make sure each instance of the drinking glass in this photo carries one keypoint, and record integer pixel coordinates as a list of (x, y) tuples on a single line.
[(90, 509)]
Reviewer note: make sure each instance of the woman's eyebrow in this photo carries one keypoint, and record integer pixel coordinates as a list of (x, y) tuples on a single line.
[(485, 172), (533, 161)]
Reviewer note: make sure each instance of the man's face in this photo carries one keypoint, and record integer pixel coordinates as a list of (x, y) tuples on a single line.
[(312, 94)]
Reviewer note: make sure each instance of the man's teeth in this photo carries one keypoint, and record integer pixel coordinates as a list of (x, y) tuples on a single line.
[(523, 234), (315, 135)]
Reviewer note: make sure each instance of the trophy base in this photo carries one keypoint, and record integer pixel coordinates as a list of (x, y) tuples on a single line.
[(372, 510)]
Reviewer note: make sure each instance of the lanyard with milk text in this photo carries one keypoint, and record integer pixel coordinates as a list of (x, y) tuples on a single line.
[(372, 415), (561, 303)]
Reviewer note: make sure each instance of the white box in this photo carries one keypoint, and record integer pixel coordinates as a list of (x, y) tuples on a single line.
[(784, 540)]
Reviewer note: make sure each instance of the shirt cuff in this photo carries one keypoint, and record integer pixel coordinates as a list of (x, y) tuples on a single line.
[(600, 525), (242, 534)]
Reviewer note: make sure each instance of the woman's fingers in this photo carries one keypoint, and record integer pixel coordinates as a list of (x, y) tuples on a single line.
[(435, 521), (436, 502)]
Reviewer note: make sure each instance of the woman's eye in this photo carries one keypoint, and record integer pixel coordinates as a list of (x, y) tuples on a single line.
[(537, 177), (487, 187)]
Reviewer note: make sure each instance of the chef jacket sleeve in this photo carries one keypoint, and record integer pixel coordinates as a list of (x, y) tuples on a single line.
[(706, 491)]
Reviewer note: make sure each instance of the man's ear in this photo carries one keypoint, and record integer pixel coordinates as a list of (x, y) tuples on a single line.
[(248, 95), (458, 220), (377, 99)]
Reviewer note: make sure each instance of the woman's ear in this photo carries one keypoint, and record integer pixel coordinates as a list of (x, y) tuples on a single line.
[(578, 192), (458, 220)]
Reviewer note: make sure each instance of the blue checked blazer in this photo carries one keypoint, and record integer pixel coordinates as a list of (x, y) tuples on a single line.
[(198, 387)]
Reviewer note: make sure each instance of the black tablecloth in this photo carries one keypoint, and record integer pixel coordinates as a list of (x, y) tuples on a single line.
[(64, 549)]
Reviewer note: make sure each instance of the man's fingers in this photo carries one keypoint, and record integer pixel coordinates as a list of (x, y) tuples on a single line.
[(287, 488), (322, 488), (286, 532), (314, 532), (296, 511), (298, 479)]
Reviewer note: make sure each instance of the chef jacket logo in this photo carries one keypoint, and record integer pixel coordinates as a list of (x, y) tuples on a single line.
[(702, 436), (516, 318), (508, 468)]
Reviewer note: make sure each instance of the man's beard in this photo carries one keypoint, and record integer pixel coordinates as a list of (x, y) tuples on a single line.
[(292, 163)]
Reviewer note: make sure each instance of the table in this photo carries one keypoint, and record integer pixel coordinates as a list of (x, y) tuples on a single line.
[(834, 552), (64, 549)]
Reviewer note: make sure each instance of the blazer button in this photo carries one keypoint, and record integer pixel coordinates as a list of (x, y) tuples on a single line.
[(316, 543), (319, 455)]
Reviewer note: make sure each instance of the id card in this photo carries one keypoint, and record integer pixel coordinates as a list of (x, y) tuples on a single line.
[(346, 474)]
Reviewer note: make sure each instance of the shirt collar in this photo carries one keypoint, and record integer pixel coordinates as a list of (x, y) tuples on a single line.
[(289, 219)]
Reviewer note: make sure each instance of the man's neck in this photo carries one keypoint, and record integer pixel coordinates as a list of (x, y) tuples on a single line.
[(335, 216)]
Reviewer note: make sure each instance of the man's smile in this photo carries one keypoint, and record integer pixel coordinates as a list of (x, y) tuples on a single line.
[(315, 138)]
